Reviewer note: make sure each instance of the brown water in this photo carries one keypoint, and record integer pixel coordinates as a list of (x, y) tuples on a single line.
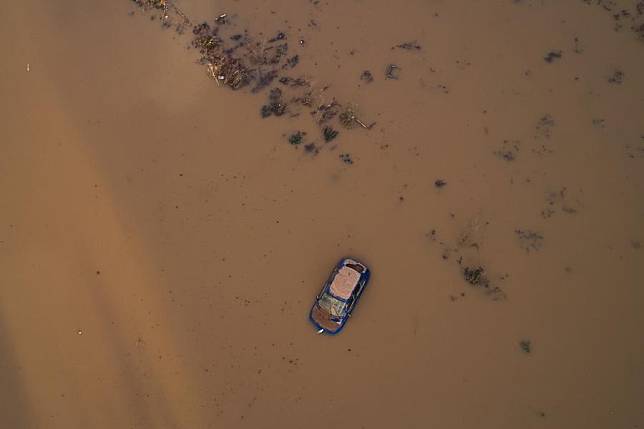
[(161, 244)]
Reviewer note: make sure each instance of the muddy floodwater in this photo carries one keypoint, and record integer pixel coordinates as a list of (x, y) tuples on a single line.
[(173, 196)]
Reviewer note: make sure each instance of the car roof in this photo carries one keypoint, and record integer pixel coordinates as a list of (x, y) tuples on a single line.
[(344, 282)]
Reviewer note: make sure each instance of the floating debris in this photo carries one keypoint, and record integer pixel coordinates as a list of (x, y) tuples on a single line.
[(279, 36), (440, 183), (296, 138), (476, 276), (266, 111), (165, 6), (559, 201), (635, 150), (236, 59), (529, 240), (264, 80), (292, 62), (366, 76), (639, 31), (275, 104), (409, 46), (311, 148), (617, 78), (328, 111), (275, 96), (509, 150), (465, 251), (623, 16), (222, 19), (544, 126), (599, 123), (526, 346), (289, 81), (329, 134), (552, 56), (392, 72), (578, 48), (348, 118), (346, 158)]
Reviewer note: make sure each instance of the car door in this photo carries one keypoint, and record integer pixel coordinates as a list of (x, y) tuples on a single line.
[(356, 294), (352, 300)]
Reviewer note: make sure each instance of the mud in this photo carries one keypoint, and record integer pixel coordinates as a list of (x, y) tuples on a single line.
[(162, 237)]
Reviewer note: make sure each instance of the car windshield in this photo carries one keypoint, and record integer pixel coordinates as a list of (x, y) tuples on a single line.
[(334, 306)]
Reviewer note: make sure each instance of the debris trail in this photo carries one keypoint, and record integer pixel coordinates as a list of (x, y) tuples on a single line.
[(234, 58)]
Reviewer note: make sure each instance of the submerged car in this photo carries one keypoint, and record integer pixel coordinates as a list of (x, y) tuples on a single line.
[(339, 295)]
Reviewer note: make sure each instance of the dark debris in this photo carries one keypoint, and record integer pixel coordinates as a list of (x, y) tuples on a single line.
[(292, 62), (275, 104), (552, 56), (508, 151), (346, 158), (529, 240), (409, 46), (329, 134), (235, 59), (526, 346), (279, 36), (476, 276), (311, 148), (366, 76), (545, 125), (617, 78), (296, 138), (392, 71)]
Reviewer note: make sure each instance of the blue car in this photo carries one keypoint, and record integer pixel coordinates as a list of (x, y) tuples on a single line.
[(338, 297)]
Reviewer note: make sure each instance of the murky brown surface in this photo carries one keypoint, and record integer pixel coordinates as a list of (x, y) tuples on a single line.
[(161, 244)]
